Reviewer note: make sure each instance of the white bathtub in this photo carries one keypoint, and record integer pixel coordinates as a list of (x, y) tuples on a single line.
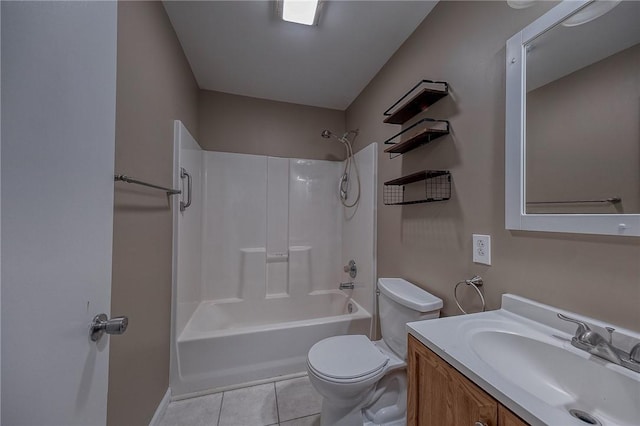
[(226, 343)]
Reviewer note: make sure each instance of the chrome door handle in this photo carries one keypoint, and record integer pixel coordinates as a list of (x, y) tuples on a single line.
[(101, 324)]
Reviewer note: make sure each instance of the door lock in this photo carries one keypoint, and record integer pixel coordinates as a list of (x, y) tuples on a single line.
[(101, 324)]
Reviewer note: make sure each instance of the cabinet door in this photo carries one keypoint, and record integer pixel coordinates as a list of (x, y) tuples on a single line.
[(471, 405), (507, 418), (428, 402), (439, 395)]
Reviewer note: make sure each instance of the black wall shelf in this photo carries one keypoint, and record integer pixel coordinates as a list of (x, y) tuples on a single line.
[(437, 187), (420, 97), (431, 130)]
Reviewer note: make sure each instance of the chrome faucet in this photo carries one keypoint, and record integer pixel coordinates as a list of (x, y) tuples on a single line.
[(595, 344), (351, 268), (634, 354), (346, 286)]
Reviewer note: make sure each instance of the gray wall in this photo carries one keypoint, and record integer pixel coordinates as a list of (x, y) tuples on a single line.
[(430, 244), (154, 87), (241, 124)]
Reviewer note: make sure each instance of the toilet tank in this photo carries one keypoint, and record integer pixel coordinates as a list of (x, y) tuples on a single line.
[(401, 302)]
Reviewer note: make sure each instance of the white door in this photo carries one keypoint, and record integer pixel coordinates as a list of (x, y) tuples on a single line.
[(58, 134)]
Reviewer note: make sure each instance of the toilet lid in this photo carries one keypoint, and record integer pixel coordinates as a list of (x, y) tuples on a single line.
[(346, 357)]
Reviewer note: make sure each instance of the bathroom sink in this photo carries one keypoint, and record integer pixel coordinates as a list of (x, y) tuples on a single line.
[(560, 377), (522, 356)]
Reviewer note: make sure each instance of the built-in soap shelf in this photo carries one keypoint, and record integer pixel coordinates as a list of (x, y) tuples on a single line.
[(421, 133), (407, 190), (420, 97)]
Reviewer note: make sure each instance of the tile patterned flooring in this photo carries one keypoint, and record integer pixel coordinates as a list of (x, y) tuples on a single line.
[(291, 402)]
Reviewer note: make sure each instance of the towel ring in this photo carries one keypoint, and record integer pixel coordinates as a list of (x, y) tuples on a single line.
[(476, 282)]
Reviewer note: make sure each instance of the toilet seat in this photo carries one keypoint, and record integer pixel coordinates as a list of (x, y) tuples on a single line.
[(364, 383), (349, 358)]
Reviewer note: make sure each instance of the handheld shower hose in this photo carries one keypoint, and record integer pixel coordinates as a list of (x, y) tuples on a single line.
[(343, 185)]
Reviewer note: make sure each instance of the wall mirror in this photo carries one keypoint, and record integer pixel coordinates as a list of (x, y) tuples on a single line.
[(573, 120)]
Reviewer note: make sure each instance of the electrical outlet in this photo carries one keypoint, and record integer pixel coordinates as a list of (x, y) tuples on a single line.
[(482, 249)]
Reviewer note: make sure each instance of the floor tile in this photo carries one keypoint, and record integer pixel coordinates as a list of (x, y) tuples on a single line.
[(304, 421), (297, 398), (252, 406), (201, 411)]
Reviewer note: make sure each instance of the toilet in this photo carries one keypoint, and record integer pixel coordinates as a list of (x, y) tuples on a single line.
[(364, 382)]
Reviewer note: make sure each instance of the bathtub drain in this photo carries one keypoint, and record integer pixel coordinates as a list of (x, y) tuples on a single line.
[(585, 417), (350, 308)]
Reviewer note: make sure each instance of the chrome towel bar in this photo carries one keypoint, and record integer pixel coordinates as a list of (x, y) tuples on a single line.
[(169, 191), (612, 200)]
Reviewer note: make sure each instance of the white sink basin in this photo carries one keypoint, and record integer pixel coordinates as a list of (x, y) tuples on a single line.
[(522, 356), (560, 377)]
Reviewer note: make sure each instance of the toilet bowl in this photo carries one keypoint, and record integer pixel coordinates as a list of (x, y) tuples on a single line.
[(364, 382)]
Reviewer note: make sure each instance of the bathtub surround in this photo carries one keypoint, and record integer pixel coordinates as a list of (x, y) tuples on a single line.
[(154, 87), (278, 251), (430, 244), (359, 232), (240, 124), (258, 261), (186, 249), (276, 212)]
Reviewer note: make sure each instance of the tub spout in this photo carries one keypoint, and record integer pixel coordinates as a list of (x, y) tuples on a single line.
[(346, 286)]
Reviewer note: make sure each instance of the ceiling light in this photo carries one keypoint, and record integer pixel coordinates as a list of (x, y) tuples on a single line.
[(591, 12), (521, 4), (299, 11)]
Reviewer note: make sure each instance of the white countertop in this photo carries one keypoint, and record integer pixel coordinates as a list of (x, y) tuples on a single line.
[(450, 339)]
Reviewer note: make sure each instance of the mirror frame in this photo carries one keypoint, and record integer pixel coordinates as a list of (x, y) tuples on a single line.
[(516, 217)]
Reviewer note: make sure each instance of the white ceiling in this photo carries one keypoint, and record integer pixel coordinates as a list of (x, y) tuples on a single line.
[(240, 47)]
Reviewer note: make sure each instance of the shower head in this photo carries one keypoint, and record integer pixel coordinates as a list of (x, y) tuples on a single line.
[(328, 134)]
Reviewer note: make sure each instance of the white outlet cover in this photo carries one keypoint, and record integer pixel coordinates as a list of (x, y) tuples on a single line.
[(482, 249)]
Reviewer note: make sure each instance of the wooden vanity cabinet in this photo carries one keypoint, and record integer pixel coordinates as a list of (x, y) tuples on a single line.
[(439, 395), (507, 418)]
